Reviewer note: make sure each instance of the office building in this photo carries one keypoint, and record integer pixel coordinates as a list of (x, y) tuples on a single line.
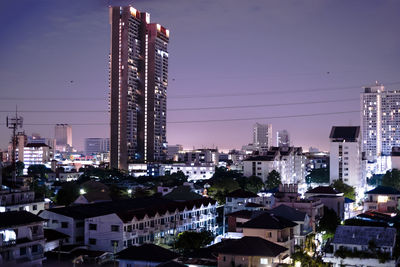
[(97, 145), (345, 155), (282, 138), (63, 136), (380, 121), (262, 135), (138, 84)]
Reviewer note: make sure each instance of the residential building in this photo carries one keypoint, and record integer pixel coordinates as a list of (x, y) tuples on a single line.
[(288, 195), (238, 199), (63, 136), (97, 145), (395, 158), (138, 85), (21, 239), (115, 225), (262, 135), (288, 161), (380, 119), (282, 138), (345, 155), (35, 154), (303, 221), (252, 251), (173, 151), (272, 228), (351, 241), (149, 255), (199, 156), (20, 199), (330, 197), (382, 199)]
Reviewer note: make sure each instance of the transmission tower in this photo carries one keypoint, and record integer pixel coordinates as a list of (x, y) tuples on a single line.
[(14, 123)]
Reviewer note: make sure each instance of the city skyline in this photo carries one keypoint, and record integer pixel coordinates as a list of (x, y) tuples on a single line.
[(328, 56)]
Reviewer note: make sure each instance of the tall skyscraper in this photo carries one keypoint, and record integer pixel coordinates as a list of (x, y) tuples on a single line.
[(138, 83), (380, 120), (262, 135), (282, 138), (63, 136)]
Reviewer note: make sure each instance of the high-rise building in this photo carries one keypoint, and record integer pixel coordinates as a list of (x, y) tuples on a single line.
[(138, 84), (282, 138), (63, 136), (97, 145), (345, 155), (380, 121), (262, 135)]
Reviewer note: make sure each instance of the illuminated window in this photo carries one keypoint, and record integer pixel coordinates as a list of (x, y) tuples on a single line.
[(263, 261)]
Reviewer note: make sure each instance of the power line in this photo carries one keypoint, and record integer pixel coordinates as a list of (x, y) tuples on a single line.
[(194, 96), (196, 108), (216, 120)]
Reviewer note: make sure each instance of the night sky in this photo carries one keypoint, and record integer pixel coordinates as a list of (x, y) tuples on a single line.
[(54, 57)]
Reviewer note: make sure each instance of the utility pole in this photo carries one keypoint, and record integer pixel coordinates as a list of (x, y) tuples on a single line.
[(13, 123)]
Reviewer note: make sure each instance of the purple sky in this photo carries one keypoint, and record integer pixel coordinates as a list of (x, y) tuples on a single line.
[(219, 47)]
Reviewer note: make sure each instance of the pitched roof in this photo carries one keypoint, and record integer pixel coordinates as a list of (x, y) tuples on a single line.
[(95, 196), (51, 235), (361, 235), (253, 205), (240, 193), (17, 218), (171, 264), (323, 190), (127, 209), (347, 133), (182, 193), (245, 214), (268, 220), (252, 246), (147, 252), (288, 213), (384, 190)]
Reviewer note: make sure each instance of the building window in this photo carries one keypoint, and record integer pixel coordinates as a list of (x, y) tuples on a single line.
[(34, 207), (114, 228), (22, 251), (92, 241), (79, 238), (64, 224), (92, 226), (54, 221), (34, 248), (263, 261)]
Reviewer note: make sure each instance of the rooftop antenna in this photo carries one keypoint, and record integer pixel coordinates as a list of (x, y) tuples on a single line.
[(14, 123)]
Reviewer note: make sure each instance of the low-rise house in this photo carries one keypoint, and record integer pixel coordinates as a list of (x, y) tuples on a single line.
[(53, 239), (303, 221), (272, 228), (330, 197), (237, 200), (115, 225), (362, 246), (21, 239), (20, 199), (382, 199), (252, 251), (146, 255)]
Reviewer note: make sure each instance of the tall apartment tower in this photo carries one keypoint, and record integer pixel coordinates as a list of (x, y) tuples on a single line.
[(262, 135), (345, 155), (380, 121), (63, 136), (282, 138), (138, 84)]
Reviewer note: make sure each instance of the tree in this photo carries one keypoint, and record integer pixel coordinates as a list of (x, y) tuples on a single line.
[(252, 184), (346, 189), (220, 188), (273, 180), (38, 170), (19, 165), (392, 179), (67, 194), (189, 241), (328, 223), (319, 176)]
